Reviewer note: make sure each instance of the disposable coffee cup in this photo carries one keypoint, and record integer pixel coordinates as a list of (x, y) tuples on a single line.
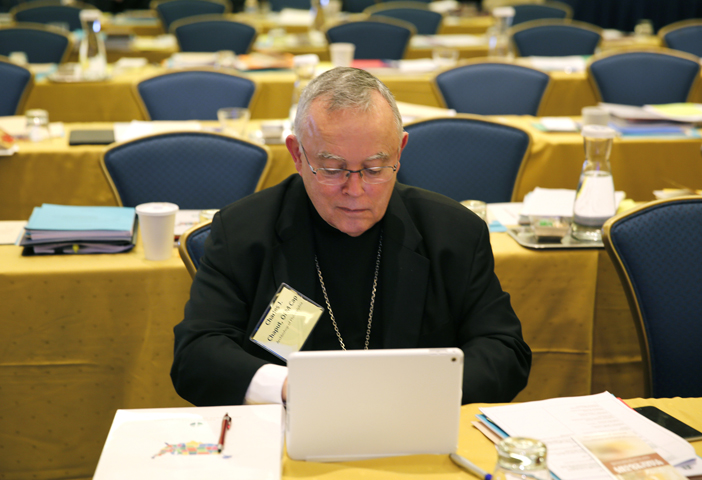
[(342, 54), (157, 223)]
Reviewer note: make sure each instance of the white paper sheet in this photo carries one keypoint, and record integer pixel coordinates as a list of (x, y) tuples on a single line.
[(556, 421)]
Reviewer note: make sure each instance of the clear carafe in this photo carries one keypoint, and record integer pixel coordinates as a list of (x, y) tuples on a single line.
[(92, 57), (498, 34), (520, 458), (317, 13), (594, 197), (305, 67)]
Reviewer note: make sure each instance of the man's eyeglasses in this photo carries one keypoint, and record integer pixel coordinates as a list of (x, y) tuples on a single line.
[(338, 176)]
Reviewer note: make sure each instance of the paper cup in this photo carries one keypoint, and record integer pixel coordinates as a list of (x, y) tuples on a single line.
[(342, 54), (157, 222)]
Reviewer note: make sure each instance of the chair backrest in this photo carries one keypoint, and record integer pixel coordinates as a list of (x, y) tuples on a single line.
[(464, 157), (426, 21), (555, 38), (656, 251), (384, 38), (278, 5), (51, 11), (206, 33), (41, 44), (492, 88), (17, 82), (171, 10), (356, 6), (193, 94), (532, 11), (194, 170), (191, 246), (643, 77), (685, 36)]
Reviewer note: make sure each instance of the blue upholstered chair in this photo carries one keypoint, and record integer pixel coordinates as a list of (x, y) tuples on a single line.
[(491, 88), (685, 36), (278, 5), (531, 11), (656, 250), (194, 170), (464, 157), (191, 246), (16, 85), (426, 21), (555, 38), (384, 38), (212, 33), (193, 94), (50, 11), (171, 10), (42, 44), (643, 77), (356, 6)]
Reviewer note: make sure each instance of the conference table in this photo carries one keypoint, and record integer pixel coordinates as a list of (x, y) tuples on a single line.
[(54, 172), (84, 335), (115, 100)]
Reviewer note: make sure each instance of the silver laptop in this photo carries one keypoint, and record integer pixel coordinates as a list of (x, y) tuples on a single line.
[(352, 405)]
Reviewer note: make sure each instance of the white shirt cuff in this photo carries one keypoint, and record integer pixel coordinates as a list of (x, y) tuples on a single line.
[(266, 385)]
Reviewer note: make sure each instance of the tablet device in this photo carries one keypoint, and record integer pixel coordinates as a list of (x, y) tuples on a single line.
[(360, 404), (91, 137)]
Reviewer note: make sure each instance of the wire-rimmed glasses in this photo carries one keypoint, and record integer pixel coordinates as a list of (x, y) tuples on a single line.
[(337, 176)]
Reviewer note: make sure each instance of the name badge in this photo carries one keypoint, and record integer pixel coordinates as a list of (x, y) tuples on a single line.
[(286, 324)]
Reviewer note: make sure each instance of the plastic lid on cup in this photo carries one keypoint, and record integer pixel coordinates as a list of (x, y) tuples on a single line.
[(598, 131), (156, 209), (503, 12)]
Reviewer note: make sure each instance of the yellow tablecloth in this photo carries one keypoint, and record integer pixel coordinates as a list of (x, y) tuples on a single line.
[(85, 335), (472, 445), (53, 172), (114, 100)]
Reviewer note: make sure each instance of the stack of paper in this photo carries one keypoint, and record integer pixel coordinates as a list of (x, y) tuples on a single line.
[(562, 422), (57, 229), (630, 120)]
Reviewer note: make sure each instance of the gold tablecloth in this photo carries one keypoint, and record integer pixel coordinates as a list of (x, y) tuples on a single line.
[(114, 100), (53, 172), (85, 335), (471, 445)]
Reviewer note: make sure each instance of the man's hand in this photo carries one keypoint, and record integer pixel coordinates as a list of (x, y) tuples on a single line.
[(284, 392)]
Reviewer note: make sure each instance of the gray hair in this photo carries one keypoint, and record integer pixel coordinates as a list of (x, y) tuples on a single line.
[(344, 88)]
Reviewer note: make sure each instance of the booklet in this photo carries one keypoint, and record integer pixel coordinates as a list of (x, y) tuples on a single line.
[(286, 324), (626, 456)]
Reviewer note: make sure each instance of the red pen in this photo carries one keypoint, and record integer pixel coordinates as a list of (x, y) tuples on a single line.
[(226, 423)]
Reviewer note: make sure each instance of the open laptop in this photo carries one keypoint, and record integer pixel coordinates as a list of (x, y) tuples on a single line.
[(360, 404)]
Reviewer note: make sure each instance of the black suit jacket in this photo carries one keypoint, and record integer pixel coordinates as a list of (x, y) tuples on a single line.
[(438, 285)]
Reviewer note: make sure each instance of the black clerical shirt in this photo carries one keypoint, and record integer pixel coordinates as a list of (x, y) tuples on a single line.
[(348, 267)]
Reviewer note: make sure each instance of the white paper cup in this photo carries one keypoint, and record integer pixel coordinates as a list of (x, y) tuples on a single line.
[(157, 222), (342, 54)]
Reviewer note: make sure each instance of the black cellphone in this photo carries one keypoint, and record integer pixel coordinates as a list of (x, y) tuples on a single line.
[(671, 423)]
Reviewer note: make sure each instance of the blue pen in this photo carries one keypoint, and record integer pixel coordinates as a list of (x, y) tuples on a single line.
[(470, 467)]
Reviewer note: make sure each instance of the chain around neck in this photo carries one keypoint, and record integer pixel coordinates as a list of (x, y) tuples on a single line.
[(372, 302)]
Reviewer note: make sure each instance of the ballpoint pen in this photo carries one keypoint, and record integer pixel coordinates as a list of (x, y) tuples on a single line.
[(226, 423), (470, 466)]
